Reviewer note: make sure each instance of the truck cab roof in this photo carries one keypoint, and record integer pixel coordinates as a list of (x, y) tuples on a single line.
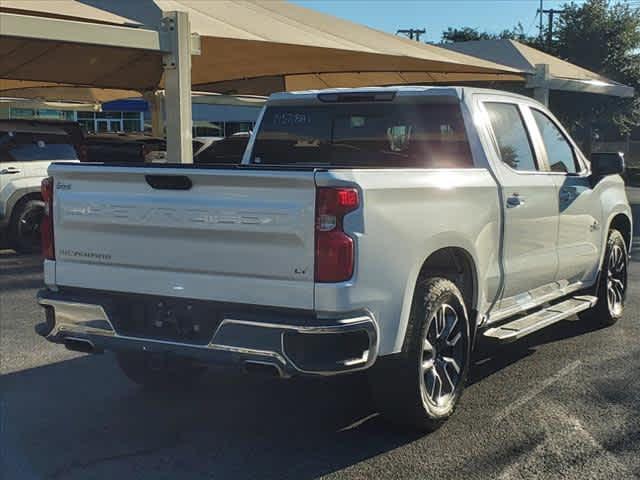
[(384, 93)]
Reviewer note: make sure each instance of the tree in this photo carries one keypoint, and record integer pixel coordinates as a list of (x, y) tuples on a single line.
[(605, 38), (601, 36), (466, 34)]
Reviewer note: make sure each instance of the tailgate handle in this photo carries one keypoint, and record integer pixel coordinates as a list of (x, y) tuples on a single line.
[(169, 182)]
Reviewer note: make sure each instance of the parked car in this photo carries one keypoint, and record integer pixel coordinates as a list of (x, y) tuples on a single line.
[(27, 147), (382, 229), (225, 151), (123, 148)]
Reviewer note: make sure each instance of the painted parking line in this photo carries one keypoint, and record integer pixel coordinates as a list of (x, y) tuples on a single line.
[(566, 444), (537, 390)]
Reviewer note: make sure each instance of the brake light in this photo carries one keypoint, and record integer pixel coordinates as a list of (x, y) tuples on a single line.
[(334, 248), (46, 227)]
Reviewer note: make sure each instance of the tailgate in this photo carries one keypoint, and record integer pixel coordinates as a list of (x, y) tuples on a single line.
[(235, 236)]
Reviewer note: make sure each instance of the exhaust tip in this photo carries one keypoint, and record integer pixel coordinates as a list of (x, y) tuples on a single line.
[(263, 369), (45, 328), (80, 345)]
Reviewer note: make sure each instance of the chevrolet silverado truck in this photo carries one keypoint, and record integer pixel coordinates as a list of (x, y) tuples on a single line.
[(379, 229)]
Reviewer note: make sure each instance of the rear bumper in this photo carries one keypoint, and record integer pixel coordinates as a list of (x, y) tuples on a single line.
[(322, 347)]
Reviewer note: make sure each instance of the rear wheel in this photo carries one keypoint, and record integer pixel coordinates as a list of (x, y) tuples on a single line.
[(159, 371), (24, 230), (422, 387), (612, 285)]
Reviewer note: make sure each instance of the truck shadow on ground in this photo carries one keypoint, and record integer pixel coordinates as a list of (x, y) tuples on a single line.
[(490, 358), (19, 271), (229, 426)]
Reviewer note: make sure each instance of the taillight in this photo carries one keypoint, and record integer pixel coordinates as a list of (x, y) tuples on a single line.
[(334, 248), (46, 227)]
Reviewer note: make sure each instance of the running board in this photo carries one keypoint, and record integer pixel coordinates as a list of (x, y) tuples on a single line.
[(523, 326)]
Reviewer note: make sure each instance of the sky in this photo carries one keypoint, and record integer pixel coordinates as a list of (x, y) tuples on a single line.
[(436, 15)]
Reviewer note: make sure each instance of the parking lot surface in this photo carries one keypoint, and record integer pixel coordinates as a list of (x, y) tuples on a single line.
[(564, 403)]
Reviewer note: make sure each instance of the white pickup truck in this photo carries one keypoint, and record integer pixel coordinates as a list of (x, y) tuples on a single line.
[(380, 228)]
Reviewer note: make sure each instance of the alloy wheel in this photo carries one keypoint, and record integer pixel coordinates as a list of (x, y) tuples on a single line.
[(443, 357), (616, 280), (29, 227)]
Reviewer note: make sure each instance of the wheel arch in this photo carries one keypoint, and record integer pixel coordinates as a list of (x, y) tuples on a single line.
[(20, 195), (457, 265), (622, 223), (455, 262)]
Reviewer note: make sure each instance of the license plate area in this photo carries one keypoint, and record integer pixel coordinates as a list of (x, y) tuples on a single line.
[(168, 319)]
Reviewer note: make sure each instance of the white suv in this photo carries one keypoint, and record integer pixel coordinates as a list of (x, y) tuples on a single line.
[(27, 148)]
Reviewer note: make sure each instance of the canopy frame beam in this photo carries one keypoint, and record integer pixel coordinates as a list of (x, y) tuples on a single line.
[(71, 31), (176, 33), (542, 82)]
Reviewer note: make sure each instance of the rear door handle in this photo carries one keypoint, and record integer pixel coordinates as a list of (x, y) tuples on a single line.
[(515, 200), (9, 171)]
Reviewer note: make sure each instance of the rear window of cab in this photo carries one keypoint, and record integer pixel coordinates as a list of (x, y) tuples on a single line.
[(379, 134)]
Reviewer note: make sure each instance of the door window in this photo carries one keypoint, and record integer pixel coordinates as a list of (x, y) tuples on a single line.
[(511, 135), (559, 152)]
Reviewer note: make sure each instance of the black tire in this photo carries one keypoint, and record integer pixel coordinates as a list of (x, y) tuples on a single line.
[(402, 386), (159, 371), (24, 228), (613, 276)]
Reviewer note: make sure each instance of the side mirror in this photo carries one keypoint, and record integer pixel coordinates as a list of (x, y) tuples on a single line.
[(603, 164)]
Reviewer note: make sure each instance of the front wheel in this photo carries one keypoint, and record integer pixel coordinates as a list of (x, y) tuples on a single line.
[(612, 285), (421, 388), (159, 371)]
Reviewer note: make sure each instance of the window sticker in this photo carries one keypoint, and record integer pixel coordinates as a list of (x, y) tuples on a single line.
[(292, 119)]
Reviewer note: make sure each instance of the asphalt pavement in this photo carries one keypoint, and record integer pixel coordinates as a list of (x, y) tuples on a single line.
[(564, 403)]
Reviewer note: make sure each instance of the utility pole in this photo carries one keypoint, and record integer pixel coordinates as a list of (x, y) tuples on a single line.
[(550, 12), (411, 32), (541, 27)]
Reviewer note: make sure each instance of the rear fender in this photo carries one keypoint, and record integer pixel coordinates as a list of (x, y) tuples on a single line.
[(432, 245)]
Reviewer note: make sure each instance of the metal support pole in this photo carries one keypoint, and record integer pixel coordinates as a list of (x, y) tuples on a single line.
[(156, 109), (177, 80), (540, 84)]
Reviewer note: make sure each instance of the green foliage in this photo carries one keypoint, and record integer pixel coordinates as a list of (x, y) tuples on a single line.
[(599, 35), (466, 34), (603, 37)]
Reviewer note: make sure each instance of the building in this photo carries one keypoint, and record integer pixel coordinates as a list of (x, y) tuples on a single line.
[(132, 115)]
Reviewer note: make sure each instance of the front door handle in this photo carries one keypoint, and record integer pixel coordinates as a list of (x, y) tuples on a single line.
[(515, 200), (9, 171)]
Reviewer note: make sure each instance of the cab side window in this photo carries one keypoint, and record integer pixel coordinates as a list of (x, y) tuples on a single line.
[(559, 152), (511, 135)]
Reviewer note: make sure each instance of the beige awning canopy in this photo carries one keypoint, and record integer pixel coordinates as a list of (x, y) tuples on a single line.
[(246, 47), (559, 75)]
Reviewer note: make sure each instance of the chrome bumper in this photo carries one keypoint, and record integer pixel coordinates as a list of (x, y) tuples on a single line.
[(235, 340)]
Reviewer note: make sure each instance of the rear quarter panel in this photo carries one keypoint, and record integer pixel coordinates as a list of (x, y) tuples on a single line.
[(404, 217)]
